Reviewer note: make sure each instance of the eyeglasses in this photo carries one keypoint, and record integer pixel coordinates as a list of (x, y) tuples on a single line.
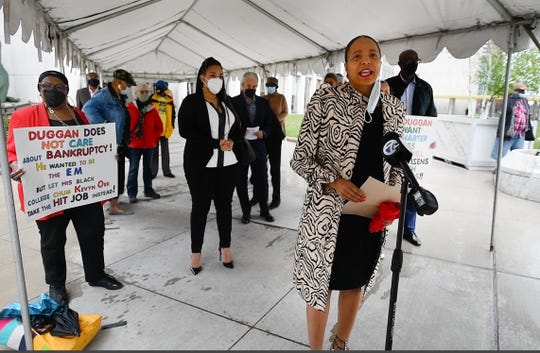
[(58, 88)]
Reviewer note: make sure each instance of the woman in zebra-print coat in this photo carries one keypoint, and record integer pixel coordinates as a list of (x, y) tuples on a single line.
[(336, 126)]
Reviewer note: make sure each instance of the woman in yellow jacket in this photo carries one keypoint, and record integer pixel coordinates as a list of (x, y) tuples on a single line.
[(162, 100)]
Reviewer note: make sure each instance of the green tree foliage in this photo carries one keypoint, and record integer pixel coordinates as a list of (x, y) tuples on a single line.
[(491, 72), (525, 68)]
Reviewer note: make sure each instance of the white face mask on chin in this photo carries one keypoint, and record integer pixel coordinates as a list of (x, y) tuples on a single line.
[(215, 85)]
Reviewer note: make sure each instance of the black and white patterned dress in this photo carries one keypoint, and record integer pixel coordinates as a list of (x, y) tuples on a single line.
[(357, 250), (326, 149)]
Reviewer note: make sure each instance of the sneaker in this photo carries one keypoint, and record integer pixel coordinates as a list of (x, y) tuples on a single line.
[(132, 200)]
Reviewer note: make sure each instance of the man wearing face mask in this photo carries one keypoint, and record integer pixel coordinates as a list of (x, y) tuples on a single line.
[(163, 101), (517, 124), (146, 128), (278, 104), (417, 95), (256, 115), (84, 94), (108, 105)]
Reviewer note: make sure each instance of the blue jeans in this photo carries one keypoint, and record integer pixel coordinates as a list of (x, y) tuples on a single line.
[(410, 216), (508, 145), (134, 159)]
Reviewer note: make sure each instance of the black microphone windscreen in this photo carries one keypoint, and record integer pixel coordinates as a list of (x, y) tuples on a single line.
[(394, 151)]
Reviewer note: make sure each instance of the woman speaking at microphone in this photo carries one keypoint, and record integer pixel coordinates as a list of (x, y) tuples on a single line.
[(339, 147)]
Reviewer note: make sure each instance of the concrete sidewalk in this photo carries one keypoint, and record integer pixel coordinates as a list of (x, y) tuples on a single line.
[(453, 292)]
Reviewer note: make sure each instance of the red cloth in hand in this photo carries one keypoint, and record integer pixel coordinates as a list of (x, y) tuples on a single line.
[(388, 211)]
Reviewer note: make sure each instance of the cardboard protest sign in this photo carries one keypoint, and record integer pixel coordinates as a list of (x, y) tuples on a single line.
[(418, 136), (66, 167)]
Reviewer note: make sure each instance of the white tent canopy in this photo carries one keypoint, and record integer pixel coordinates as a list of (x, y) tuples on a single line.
[(170, 38)]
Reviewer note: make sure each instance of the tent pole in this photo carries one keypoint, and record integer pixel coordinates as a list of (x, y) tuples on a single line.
[(502, 122), (15, 242)]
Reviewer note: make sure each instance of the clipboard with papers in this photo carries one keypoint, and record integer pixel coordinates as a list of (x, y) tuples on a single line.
[(376, 193)]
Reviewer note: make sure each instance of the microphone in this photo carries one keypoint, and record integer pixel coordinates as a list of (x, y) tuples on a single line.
[(397, 155)]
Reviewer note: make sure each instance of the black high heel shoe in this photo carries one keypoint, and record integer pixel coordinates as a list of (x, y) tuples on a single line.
[(195, 270), (226, 264)]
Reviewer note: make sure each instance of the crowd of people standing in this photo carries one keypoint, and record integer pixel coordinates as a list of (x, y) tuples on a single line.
[(219, 130)]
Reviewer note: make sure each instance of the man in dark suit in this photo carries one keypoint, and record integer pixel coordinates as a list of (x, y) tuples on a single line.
[(84, 94), (417, 95), (256, 116)]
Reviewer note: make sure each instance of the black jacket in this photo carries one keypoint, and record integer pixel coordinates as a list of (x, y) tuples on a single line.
[(510, 117), (423, 103), (194, 126), (263, 115)]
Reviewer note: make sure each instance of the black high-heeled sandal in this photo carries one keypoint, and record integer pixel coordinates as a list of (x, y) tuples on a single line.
[(226, 264)]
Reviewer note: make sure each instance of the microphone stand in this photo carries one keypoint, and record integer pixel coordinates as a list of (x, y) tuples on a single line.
[(397, 262)]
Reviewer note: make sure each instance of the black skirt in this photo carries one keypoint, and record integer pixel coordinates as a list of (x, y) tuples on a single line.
[(356, 255)]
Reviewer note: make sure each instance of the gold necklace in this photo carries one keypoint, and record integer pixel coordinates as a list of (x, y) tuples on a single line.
[(73, 116)]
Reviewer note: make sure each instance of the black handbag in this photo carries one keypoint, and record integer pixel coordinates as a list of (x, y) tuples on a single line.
[(529, 134), (246, 154)]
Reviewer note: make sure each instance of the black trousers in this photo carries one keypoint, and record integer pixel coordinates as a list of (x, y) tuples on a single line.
[(165, 161), (273, 148), (121, 164), (205, 185), (260, 180), (88, 221)]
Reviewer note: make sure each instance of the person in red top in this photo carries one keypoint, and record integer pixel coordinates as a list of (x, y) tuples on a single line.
[(145, 131), (88, 220)]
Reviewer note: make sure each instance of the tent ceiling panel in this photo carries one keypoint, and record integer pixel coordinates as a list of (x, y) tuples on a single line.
[(279, 36), (117, 46), (188, 56), (256, 35), (199, 42), (148, 67)]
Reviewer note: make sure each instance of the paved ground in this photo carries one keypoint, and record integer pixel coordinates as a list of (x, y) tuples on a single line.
[(453, 293)]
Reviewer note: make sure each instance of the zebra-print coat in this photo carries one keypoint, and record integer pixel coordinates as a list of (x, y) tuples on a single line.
[(326, 150)]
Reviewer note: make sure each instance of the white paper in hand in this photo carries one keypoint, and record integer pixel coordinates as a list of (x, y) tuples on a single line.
[(251, 133), (376, 193)]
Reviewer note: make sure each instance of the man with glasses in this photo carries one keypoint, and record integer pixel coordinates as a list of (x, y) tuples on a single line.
[(417, 95), (109, 105)]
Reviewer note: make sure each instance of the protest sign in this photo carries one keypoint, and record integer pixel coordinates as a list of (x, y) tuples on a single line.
[(66, 167), (418, 137)]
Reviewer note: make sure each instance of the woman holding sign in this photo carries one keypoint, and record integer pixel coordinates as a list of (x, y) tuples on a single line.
[(339, 147), (88, 220)]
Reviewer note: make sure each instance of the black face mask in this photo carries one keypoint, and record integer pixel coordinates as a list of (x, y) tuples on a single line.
[(250, 93), (94, 82), (410, 68), (54, 98)]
